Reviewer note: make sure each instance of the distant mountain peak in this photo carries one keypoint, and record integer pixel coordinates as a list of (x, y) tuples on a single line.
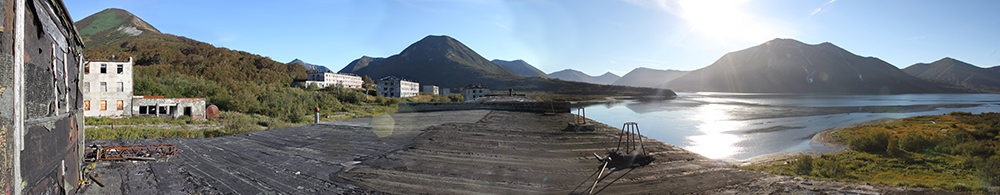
[(309, 66), (521, 68), (576, 75), (112, 24)]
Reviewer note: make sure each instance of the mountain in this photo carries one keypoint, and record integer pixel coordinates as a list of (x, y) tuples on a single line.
[(646, 77), (112, 25), (309, 66), (116, 32), (434, 60), (955, 72), (576, 75), (521, 68), (790, 66)]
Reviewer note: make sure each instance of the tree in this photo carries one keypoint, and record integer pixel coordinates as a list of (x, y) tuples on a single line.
[(368, 84)]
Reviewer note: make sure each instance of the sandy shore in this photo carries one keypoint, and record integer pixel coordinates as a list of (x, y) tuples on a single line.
[(450, 152)]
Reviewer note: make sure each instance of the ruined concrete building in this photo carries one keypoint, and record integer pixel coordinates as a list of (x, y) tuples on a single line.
[(431, 89), (391, 86), (168, 107), (331, 79), (472, 92), (41, 105), (107, 88)]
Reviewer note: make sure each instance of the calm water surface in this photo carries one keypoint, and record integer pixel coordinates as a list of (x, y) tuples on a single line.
[(741, 126)]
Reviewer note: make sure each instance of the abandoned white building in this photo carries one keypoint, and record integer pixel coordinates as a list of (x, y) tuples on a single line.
[(331, 79), (107, 88), (391, 86), (168, 107), (472, 92), (431, 89)]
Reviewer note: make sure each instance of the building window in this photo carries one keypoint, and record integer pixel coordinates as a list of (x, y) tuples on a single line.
[(86, 87), (120, 86), (104, 105), (86, 68), (163, 110), (142, 110), (121, 105), (104, 68), (104, 86), (86, 105), (121, 68)]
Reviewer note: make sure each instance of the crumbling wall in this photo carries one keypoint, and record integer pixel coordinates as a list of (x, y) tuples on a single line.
[(41, 130)]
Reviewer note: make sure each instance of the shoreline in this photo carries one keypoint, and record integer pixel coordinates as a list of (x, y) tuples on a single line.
[(824, 138)]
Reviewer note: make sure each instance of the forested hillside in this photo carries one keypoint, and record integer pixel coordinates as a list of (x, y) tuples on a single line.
[(174, 66)]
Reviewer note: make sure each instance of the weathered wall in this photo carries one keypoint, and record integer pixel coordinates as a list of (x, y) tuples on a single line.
[(559, 107), (41, 128)]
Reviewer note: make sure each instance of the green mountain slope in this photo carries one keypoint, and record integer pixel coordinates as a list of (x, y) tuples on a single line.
[(956, 72), (790, 66), (175, 66)]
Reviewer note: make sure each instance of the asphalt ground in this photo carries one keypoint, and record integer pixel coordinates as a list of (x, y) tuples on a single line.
[(448, 152)]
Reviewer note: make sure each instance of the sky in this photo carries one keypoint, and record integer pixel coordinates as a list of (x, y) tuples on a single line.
[(593, 36)]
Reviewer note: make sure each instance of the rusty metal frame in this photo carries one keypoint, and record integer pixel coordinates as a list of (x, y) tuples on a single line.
[(127, 152)]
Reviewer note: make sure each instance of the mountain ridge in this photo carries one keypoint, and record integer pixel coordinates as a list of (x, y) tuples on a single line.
[(521, 68), (956, 72), (648, 77), (578, 76), (790, 66), (309, 66)]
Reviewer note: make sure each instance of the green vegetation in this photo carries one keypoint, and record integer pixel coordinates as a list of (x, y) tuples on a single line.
[(957, 152), (101, 22)]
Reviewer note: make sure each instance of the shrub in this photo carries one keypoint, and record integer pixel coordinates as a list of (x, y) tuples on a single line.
[(874, 143), (802, 165)]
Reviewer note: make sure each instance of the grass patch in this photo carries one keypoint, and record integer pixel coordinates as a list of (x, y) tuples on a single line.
[(955, 152)]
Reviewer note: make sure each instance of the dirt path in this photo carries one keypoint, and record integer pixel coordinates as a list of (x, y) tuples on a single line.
[(452, 152)]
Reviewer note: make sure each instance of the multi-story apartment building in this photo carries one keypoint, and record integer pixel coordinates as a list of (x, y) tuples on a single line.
[(391, 86), (332, 79), (107, 88)]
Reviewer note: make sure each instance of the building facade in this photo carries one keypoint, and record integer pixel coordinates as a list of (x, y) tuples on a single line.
[(159, 106), (41, 115), (332, 79), (431, 89), (471, 92), (107, 88), (391, 86)]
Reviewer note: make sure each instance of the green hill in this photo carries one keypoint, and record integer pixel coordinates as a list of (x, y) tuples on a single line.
[(956, 72)]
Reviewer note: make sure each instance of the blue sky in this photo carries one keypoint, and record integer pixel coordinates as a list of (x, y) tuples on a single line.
[(594, 36)]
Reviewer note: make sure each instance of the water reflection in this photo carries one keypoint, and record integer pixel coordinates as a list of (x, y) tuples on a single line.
[(742, 126)]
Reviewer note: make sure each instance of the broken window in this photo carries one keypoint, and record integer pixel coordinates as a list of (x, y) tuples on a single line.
[(104, 105), (121, 105), (86, 68), (86, 105), (121, 68), (104, 68), (104, 86), (86, 87), (163, 110), (120, 86), (142, 110)]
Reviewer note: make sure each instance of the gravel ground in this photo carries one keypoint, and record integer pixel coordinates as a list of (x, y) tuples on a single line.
[(450, 152)]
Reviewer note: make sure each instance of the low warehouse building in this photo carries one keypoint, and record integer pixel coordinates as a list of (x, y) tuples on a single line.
[(168, 107)]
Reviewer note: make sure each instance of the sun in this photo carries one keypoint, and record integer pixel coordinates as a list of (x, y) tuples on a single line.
[(726, 21)]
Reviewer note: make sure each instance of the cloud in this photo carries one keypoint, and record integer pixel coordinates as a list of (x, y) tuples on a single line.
[(820, 8)]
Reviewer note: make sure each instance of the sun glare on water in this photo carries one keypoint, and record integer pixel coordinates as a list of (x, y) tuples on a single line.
[(715, 143)]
